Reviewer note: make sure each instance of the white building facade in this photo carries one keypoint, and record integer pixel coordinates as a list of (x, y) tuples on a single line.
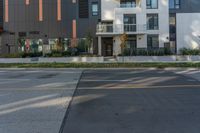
[(145, 22)]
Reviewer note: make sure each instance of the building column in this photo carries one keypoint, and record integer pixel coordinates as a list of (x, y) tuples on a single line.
[(99, 46)]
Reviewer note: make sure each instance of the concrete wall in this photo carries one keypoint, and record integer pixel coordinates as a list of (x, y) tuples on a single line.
[(53, 60), (158, 58), (188, 30), (116, 46), (101, 59)]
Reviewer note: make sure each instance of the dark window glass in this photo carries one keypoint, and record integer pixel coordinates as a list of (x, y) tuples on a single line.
[(174, 4), (34, 32), (152, 41), (83, 9), (129, 22), (172, 27), (95, 9), (22, 34), (127, 3), (152, 21), (152, 4)]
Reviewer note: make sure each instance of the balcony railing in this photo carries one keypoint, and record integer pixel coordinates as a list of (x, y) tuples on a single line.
[(127, 5), (121, 28)]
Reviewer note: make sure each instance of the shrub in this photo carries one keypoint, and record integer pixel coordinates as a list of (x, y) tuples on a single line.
[(37, 54), (187, 51), (14, 55)]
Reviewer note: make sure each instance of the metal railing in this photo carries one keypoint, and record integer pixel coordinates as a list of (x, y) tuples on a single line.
[(127, 5), (120, 28)]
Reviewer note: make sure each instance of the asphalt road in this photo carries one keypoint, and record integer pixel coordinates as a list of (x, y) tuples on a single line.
[(134, 101), (35, 100)]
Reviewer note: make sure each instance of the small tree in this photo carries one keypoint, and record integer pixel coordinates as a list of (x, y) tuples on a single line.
[(123, 39), (89, 40)]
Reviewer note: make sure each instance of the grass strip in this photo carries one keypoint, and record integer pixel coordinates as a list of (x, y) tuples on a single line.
[(100, 65)]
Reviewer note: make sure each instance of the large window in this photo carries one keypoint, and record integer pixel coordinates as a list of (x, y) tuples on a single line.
[(129, 22), (174, 4), (152, 41), (152, 21), (95, 9), (83, 9), (152, 4)]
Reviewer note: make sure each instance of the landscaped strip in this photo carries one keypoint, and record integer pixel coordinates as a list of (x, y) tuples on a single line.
[(100, 65)]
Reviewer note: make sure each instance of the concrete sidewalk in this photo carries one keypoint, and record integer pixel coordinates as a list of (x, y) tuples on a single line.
[(35, 101)]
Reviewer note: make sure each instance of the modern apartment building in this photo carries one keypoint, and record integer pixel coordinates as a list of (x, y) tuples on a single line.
[(48, 22), (148, 24), (1, 21), (185, 23)]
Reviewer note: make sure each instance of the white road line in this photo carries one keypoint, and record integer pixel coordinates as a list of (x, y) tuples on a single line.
[(140, 87), (106, 80)]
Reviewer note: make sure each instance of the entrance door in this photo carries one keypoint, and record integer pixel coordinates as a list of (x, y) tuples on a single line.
[(109, 49), (107, 46)]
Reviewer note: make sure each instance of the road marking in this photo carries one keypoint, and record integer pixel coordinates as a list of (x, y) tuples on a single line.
[(105, 80), (139, 87)]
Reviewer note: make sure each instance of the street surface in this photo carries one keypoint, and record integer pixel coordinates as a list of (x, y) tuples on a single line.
[(135, 101)]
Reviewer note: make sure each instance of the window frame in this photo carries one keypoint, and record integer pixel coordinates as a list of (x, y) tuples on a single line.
[(175, 4), (95, 13), (154, 16), (149, 5), (151, 46)]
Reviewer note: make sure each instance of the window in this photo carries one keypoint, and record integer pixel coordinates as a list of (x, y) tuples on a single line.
[(152, 21), (129, 22), (152, 4), (95, 9), (152, 41), (83, 9), (174, 4), (172, 27), (127, 3), (22, 34)]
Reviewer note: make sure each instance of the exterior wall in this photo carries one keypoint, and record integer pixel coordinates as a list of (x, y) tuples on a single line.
[(1, 24), (107, 9), (163, 15), (1, 13), (141, 41), (0, 44), (187, 6), (116, 46), (111, 11), (25, 18), (188, 30)]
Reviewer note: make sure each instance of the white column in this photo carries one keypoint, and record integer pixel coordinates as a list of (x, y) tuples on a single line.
[(99, 46)]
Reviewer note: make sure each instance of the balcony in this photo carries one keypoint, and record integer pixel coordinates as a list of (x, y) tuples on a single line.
[(130, 3), (127, 5), (110, 29)]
